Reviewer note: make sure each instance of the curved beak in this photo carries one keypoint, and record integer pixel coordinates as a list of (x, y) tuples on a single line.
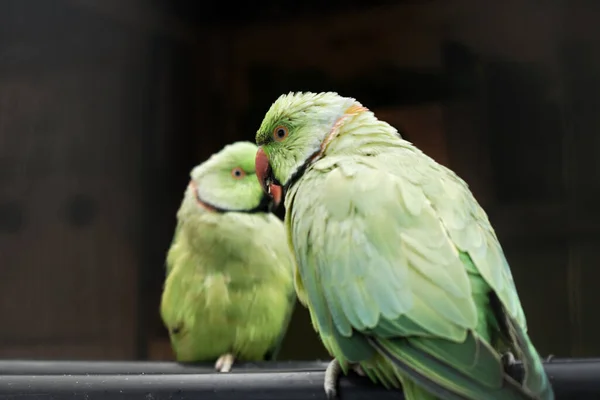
[(265, 177)]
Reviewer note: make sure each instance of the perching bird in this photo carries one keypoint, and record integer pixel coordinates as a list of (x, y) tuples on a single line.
[(402, 273), (229, 291)]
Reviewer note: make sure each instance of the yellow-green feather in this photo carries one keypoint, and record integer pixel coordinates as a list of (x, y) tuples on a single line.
[(229, 284)]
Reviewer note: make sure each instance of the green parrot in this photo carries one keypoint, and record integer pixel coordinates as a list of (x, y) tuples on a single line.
[(402, 273), (229, 290)]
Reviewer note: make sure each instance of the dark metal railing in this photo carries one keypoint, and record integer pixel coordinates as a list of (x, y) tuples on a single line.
[(58, 380)]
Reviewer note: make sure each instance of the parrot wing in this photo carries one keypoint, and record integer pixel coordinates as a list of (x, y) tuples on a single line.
[(174, 249), (381, 271), (273, 353)]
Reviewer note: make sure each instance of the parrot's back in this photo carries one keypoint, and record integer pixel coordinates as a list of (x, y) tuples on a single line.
[(229, 287), (403, 273)]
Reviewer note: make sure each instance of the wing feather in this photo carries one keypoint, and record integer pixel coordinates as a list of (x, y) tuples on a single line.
[(383, 255), (375, 256)]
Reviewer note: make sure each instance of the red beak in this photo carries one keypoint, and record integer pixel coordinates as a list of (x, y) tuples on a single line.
[(264, 175)]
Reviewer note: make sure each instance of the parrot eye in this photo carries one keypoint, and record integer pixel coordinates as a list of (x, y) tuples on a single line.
[(280, 133), (238, 173)]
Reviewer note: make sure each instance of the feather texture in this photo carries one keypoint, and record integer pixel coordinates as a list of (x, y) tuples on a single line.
[(229, 284), (399, 265)]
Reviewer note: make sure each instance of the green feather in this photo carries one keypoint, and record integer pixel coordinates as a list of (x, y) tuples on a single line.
[(229, 282), (397, 263)]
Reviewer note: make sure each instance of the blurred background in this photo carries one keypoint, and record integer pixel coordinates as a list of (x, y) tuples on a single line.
[(106, 105)]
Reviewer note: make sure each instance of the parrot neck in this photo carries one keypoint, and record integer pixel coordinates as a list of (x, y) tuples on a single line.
[(265, 205), (336, 129), (356, 132)]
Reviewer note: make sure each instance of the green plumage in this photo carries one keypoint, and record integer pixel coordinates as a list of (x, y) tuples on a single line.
[(229, 285), (397, 262)]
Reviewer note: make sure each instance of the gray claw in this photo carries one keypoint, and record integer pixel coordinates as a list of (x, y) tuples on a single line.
[(549, 358), (332, 374)]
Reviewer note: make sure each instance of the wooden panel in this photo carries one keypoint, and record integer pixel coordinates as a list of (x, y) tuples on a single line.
[(70, 164), (422, 125), (63, 351), (503, 29), (583, 282), (159, 349), (344, 45), (580, 62), (540, 274), (468, 150), (525, 132), (139, 14)]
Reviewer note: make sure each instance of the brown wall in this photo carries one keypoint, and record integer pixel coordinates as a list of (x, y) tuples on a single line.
[(103, 113), (70, 155)]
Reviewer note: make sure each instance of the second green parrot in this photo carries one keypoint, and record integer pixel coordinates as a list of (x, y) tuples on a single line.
[(229, 291), (400, 268)]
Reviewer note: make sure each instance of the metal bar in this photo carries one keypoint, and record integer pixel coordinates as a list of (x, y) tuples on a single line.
[(247, 386), (32, 367), (571, 379)]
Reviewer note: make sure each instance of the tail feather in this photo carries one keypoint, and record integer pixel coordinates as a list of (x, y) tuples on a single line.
[(413, 391), (515, 337), (535, 378), (443, 368)]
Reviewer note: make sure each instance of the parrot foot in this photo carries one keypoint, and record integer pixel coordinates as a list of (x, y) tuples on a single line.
[(332, 374), (508, 359), (224, 363), (549, 358)]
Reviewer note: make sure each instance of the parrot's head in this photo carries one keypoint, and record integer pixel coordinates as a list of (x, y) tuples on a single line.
[(227, 182), (294, 132)]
